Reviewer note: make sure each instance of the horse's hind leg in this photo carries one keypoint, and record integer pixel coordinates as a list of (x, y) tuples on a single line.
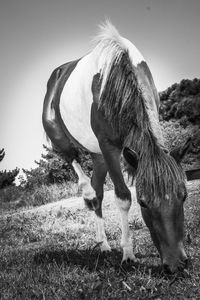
[(98, 179), (92, 192), (84, 184)]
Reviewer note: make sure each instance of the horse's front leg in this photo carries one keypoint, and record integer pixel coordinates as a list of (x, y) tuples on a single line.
[(126, 241), (123, 196)]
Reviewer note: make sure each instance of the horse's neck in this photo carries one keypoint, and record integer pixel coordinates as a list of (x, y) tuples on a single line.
[(155, 127), (144, 139)]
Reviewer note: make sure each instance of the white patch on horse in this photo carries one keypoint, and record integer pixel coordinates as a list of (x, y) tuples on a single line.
[(100, 234), (126, 242), (75, 103), (84, 182)]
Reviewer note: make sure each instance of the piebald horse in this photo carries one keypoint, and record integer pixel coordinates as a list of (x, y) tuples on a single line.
[(106, 102)]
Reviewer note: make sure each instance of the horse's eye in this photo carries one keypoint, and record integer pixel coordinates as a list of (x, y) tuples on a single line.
[(143, 204)]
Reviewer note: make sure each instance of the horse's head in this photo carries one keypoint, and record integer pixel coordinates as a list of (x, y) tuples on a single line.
[(164, 217), (166, 224)]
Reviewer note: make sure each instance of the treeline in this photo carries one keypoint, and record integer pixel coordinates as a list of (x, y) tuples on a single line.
[(181, 101), (50, 169)]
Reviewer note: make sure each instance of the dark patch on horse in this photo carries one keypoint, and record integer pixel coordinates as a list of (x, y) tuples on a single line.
[(100, 170), (117, 101), (62, 141)]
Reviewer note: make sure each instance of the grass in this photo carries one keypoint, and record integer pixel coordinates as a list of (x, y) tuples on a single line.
[(12, 197), (49, 252)]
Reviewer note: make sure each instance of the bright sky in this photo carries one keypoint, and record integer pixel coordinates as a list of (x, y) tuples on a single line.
[(37, 36)]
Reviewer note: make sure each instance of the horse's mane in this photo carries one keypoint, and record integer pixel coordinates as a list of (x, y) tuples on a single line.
[(123, 105), (119, 87)]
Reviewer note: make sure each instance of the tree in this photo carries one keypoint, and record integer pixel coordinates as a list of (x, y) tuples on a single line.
[(7, 178)]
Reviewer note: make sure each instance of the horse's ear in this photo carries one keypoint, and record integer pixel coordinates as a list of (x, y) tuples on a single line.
[(131, 157), (179, 152)]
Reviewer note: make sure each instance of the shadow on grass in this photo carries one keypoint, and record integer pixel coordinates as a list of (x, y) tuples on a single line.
[(94, 260)]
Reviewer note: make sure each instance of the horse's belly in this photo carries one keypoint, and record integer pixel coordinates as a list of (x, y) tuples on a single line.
[(75, 104)]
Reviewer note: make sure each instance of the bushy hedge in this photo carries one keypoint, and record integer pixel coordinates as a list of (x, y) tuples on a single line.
[(180, 107), (181, 101)]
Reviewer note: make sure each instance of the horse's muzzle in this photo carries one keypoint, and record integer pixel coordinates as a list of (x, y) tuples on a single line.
[(170, 269)]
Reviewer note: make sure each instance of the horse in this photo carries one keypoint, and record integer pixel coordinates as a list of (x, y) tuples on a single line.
[(106, 103)]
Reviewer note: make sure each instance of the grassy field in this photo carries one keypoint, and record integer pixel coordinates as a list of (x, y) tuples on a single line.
[(49, 252)]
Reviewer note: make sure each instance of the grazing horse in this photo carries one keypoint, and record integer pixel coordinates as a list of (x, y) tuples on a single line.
[(106, 102)]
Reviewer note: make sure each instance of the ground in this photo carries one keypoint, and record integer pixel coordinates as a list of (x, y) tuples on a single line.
[(49, 252)]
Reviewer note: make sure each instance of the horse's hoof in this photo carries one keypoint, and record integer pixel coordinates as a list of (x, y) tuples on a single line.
[(128, 261), (128, 256), (105, 248)]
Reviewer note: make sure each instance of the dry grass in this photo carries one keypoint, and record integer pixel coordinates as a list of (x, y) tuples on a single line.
[(49, 252)]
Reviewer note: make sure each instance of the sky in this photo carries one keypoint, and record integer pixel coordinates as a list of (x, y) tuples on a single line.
[(37, 36)]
